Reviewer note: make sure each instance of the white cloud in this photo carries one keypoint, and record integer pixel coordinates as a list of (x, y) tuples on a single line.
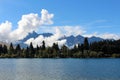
[(5, 29), (31, 22), (48, 40), (66, 30), (104, 35), (109, 36), (90, 35), (46, 17), (73, 30)]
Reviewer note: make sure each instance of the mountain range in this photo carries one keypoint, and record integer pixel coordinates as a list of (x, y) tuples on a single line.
[(70, 40)]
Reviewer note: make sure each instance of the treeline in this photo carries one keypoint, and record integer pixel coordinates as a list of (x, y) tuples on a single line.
[(101, 49)]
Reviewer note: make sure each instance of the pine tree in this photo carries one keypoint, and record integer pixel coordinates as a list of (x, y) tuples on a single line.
[(43, 45), (11, 49), (75, 49), (86, 44), (55, 46), (55, 49), (1, 49), (31, 50), (5, 50), (18, 50), (82, 48), (36, 51), (64, 50), (27, 52)]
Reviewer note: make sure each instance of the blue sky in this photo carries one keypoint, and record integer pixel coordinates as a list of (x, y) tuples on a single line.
[(94, 16)]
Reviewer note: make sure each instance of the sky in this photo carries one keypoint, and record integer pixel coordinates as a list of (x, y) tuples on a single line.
[(72, 17)]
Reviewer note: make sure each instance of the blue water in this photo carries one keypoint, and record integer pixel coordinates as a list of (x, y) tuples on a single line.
[(59, 69)]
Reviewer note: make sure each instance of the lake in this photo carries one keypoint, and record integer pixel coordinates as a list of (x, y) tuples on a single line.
[(60, 69)]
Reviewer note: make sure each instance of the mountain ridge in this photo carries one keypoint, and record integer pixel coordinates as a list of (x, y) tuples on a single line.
[(70, 40)]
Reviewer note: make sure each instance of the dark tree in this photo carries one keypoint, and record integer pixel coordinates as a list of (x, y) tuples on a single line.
[(75, 49), (1, 49), (43, 45), (18, 50), (37, 50), (55, 49), (27, 52), (31, 50), (86, 44), (82, 48), (64, 51), (11, 49), (5, 50), (55, 46)]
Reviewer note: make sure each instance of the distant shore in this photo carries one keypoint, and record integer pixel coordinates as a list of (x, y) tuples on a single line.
[(101, 49)]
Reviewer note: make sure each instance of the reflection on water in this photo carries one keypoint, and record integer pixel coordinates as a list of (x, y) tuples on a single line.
[(59, 69)]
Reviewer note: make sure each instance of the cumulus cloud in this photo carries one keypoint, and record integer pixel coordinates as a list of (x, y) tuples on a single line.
[(46, 17), (48, 40), (28, 23), (31, 22), (5, 29)]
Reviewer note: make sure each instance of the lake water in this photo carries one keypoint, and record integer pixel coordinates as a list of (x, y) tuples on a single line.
[(60, 69)]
